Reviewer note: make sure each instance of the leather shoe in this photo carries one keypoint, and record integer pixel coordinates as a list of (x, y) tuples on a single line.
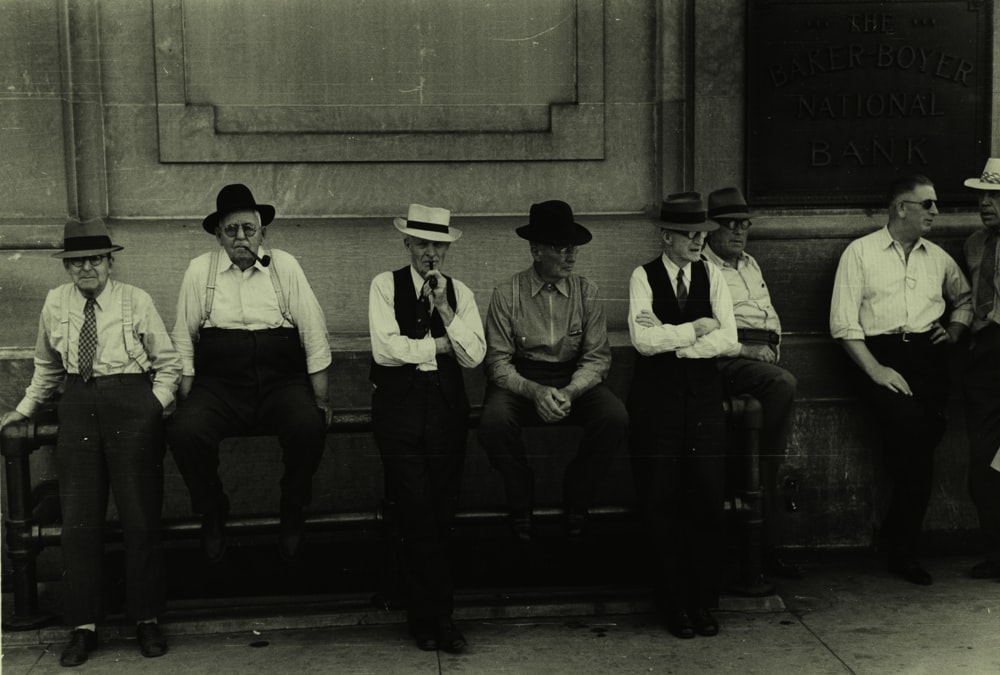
[(679, 624), (151, 640), (449, 638), (425, 633), (213, 532), (910, 571), (776, 567), (703, 621), (292, 531), (987, 569), (81, 643)]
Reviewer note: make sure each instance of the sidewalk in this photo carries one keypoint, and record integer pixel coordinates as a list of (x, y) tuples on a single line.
[(847, 616)]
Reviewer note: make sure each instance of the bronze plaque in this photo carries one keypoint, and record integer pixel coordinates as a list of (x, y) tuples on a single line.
[(845, 96)]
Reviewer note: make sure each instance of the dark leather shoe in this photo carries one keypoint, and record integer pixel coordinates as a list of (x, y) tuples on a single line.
[(910, 571), (450, 639), (679, 624), (81, 643), (213, 533), (292, 531), (424, 631), (780, 569), (703, 621), (987, 569), (151, 640)]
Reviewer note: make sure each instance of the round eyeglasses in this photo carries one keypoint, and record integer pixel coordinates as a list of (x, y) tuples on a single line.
[(233, 229), (94, 260)]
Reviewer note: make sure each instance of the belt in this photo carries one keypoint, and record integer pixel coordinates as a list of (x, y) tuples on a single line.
[(768, 337), (902, 337), (111, 380)]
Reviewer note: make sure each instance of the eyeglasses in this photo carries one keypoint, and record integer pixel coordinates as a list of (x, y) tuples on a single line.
[(690, 235), (926, 204), (564, 250), (734, 225), (233, 229), (94, 260)]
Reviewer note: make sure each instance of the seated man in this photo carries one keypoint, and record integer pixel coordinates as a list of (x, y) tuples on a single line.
[(751, 367), (547, 353), (252, 338)]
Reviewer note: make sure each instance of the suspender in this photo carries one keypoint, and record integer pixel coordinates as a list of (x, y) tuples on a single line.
[(213, 270), (132, 350)]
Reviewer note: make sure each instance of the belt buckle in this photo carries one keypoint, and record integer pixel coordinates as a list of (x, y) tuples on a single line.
[(905, 337)]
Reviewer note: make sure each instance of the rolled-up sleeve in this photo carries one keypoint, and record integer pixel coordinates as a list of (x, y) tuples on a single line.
[(848, 291)]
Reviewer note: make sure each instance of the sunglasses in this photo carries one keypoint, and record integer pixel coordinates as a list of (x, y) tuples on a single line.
[(690, 235), (734, 225), (926, 204)]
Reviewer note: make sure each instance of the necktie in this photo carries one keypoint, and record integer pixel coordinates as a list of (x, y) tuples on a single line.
[(682, 291), (424, 314), (88, 341), (986, 280)]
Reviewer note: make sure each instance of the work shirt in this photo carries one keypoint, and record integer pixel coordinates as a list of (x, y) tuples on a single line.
[(681, 338), (245, 300), (391, 348), (878, 291), (550, 323), (751, 300), (154, 350), (974, 258)]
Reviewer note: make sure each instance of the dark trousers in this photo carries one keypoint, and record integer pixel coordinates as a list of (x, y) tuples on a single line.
[(774, 387), (597, 411), (421, 439), (215, 410), (678, 452), (982, 414), (110, 435), (910, 428)]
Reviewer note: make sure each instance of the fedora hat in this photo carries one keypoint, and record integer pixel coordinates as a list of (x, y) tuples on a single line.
[(685, 211), (85, 239), (727, 203), (552, 222), (427, 222), (236, 197), (990, 180)]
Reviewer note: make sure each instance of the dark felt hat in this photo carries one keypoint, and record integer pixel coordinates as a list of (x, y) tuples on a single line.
[(685, 211), (86, 239), (728, 203), (236, 197), (552, 222)]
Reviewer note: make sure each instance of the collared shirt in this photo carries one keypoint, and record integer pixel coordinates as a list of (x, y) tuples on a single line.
[(112, 358), (877, 290), (245, 300), (974, 258), (391, 348), (751, 299), (680, 338), (556, 323)]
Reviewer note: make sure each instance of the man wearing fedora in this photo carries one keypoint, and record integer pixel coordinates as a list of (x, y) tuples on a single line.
[(253, 343), (891, 294), (680, 320), (547, 356), (105, 344), (751, 366), (982, 372), (425, 328)]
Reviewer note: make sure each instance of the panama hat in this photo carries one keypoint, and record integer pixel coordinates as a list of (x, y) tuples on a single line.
[(427, 222)]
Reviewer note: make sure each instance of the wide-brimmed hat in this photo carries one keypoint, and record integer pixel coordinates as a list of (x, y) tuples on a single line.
[(685, 211), (552, 222), (236, 197), (728, 203), (427, 222), (990, 180), (85, 239)]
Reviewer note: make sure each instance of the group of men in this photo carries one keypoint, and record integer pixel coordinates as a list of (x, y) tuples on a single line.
[(249, 351)]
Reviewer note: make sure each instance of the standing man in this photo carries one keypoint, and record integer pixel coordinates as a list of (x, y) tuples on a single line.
[(252, 339), (546, 358), (680, 320), (425, 328), (104, 342), (751, 366), (982, 373), (890, 295)]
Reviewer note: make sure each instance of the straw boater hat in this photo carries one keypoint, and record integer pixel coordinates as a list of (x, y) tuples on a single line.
[(990, 180), (552, 222), (86, 239), (427, 222), (728, 204), (236, 197), (685, 211)]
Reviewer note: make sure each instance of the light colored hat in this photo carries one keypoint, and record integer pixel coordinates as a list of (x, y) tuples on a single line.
[(81, 240), (427, 222), (990, 180)]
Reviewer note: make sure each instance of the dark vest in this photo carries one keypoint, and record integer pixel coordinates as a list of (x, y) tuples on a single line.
[(414, 323)]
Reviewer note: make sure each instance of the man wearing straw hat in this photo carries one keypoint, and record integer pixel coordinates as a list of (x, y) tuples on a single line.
[(105, 342), (253, 342), (547, 357), (982, 373), (680, 320), (425, 328)]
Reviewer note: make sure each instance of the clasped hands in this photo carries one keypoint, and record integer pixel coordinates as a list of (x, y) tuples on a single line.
[(551, 404), (702, 326)]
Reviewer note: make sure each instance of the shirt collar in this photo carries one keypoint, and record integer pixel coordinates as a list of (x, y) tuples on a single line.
[(418, 281), (103, 295), (226, 264), (717, 260), (673, 269), (886, 240), (537, 284)]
